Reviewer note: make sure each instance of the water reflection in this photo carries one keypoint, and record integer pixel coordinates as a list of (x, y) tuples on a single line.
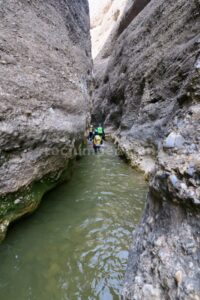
[(76, 245)]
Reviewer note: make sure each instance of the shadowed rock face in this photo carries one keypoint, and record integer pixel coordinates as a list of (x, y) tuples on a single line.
[(45, 67), (147, 93), (136, 7)]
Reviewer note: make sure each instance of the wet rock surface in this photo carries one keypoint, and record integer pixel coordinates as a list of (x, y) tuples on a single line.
[(147, 94), (45, 78)]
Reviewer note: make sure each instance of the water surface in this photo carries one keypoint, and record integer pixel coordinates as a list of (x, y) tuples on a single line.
[(75, 247)]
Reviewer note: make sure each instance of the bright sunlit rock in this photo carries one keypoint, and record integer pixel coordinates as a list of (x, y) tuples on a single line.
[(104, 15)]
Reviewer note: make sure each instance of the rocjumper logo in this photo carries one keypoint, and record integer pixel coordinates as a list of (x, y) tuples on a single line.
[(86, 150)]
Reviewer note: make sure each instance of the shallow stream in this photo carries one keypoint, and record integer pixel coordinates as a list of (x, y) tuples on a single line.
[(75, 247)]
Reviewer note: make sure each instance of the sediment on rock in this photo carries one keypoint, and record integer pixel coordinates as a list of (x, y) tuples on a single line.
[(45, 75), (147, 93)]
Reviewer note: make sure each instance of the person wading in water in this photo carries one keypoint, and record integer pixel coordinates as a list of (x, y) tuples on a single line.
[(91, 133), (97, 141)]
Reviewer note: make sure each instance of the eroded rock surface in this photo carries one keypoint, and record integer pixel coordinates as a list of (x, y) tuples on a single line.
[(45, 67), (148, 95)]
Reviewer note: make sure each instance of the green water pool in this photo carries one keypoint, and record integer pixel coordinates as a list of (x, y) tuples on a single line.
[(75, 247)]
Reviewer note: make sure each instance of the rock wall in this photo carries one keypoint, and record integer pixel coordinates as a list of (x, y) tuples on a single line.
[(147, 94), (45, 78), (105, 16)]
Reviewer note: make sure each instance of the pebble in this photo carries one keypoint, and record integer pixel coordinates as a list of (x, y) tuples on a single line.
[(183, 186), (174, 140), (174, 180), (63, 140), (17, 201), (150, 220), (179, 277)]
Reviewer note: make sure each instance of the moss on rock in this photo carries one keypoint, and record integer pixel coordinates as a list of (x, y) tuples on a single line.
[(25, 201)]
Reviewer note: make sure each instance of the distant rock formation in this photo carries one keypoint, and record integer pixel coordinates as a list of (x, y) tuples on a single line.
[(105, 15), (45, 75), (147, 93)]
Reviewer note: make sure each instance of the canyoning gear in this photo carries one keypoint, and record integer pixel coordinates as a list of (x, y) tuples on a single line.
[(97, 140), (100, 130), (101, 133), (95, 132)]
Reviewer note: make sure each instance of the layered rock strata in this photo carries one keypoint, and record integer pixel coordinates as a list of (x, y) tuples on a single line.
[(147, 94)]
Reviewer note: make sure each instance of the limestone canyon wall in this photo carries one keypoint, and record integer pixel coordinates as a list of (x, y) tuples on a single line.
[(147, 93), (45, 75), (105, 16)]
